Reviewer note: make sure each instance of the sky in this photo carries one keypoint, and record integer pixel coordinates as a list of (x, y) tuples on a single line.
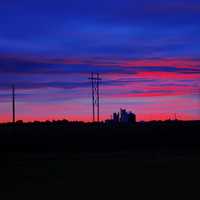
[(147, 53)]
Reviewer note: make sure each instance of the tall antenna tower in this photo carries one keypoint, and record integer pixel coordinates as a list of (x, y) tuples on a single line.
[(13, 103), (95, 79), (175, 117)]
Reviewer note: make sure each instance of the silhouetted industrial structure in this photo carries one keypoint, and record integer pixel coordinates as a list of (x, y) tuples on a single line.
[(123, 117), (95, 79), (13, 103)]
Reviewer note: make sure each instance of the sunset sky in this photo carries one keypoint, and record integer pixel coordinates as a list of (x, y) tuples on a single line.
[(146, 51)]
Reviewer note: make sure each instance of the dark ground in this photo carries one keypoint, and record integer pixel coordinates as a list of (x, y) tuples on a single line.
[(40, 153)]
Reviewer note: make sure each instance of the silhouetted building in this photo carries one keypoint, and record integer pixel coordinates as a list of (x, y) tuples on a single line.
[(116, 117), (123, 117), (127, 117), (131, 117)]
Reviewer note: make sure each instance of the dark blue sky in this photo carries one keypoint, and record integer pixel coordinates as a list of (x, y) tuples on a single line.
[(146, 51)]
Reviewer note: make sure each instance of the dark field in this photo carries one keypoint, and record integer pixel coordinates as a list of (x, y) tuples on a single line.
[(164, 141), (40, 153)]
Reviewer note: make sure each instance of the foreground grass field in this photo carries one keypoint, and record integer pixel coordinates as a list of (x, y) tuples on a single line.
[(78, 141), (40, 153)]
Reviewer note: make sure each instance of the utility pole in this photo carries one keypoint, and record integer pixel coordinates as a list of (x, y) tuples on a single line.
[(93, 98), (95, 79), (13, 103)]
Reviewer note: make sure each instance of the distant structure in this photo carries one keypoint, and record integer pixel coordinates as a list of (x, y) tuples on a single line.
[(116, 117), (95, 79), (123, 117), (127, 117), (175, 117)]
